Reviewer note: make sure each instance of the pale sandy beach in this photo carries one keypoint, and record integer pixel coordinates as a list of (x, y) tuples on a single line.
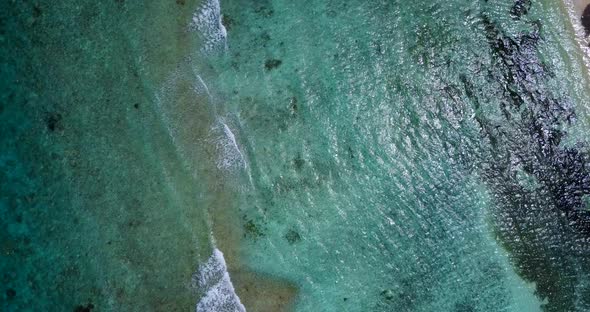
[(575, 10), (580, 5)]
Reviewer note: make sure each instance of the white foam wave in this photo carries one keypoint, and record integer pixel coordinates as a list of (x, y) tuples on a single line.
[(202, 87), (207, 21), (220, 295), (230, 157)]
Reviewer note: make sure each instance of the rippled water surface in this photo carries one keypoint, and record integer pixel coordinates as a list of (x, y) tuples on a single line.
[(294, 156)]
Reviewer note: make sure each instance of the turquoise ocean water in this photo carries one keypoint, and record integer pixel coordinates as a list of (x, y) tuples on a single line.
[(293, 156)]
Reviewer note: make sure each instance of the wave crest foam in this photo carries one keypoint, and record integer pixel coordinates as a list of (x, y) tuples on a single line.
[(220, 295)]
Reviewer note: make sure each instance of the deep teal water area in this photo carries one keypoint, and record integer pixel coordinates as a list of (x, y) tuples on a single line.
[(342, 155), (88, 218)]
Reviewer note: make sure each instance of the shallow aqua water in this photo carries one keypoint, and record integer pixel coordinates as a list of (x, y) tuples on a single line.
[(351, 155), (365, 142)]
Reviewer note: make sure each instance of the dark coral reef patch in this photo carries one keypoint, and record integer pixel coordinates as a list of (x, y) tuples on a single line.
[(540, 222)]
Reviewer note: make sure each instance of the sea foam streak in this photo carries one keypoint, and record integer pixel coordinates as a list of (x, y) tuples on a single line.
[(212, 277), (220, 295), (207, 21), (230, 156)]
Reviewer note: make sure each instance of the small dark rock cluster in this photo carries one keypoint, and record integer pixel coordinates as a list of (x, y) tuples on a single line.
[(292, 237), (298, 162), (53, 121), (294, 107), (264, 11), (272, 64), (88, 308), (388, 294), (10, 293), (252, 230), (520, 8), (37, 12)]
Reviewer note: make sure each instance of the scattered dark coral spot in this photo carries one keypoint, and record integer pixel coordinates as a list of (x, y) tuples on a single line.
[(345, 299), (87, 308), (387, 294), (180, 2), (37, 11), (136, 105), (265, 38), (586, 19), (350, 153), (252, 230), (134, 223), (520, 8), (272, 64), (292, 237), (464, 307), (294, 107), (53, 121), (298, 162), (264, 11), (10, 293), (120, 294)]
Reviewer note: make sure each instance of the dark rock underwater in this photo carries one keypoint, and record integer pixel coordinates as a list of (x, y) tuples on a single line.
[(545, 225)]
